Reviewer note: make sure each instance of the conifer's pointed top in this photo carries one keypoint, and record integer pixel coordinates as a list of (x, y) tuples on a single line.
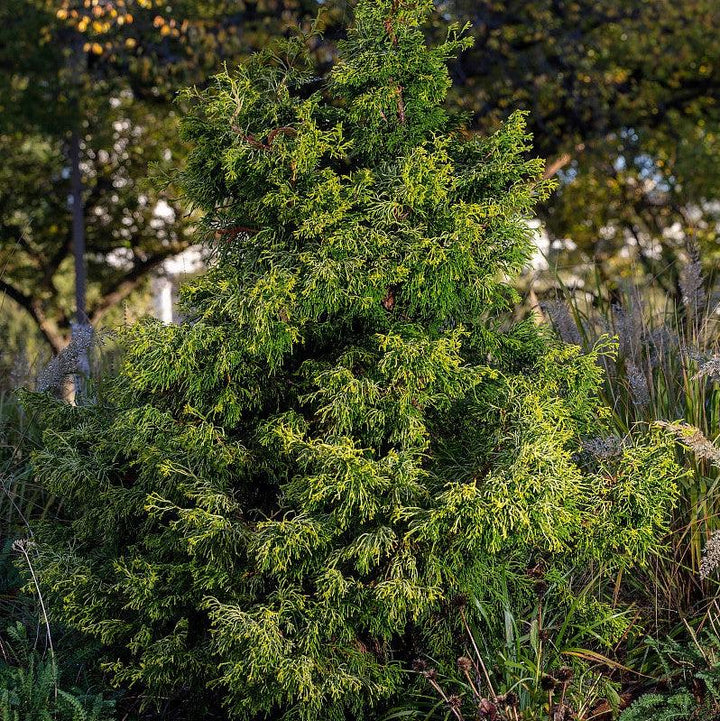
[(393, 82), (394, 15), (355, 206)]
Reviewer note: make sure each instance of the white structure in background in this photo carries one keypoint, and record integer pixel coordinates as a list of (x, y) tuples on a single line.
[(547, 252), (542, 245), (164, 285), (166, 280), (162, 290)]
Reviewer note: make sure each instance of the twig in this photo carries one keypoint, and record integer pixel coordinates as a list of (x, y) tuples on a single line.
[(21, 545), (267, 146), (477, 653), (236, 230)]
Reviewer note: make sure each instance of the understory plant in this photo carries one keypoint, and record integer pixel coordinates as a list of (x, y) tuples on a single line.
[(273, 508), (43, 671), (689, 689), (542, 658), (667, 373), (32, 685)]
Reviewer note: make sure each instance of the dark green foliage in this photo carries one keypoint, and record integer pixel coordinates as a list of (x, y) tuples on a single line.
[(270, 509), (619, 92), (692, 675), (679, 706), (31, 688)]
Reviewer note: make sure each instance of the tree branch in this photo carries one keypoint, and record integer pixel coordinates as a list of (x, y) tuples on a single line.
[(50, 330), (554, 167)]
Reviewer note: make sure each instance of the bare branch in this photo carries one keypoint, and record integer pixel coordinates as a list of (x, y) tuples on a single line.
[(50, 329)]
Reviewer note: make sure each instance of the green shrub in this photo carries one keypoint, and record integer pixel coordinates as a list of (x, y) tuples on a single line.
[(272, 506)]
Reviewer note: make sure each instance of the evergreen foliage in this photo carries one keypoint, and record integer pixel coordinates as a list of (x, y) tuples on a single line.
[(271, 508), (679, 706)]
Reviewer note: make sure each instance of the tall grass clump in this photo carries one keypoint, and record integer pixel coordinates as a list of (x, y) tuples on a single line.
[(666, 374), (20, 499)]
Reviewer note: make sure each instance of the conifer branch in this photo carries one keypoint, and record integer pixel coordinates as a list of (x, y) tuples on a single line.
[(389, 23), (285, 130), (400, 101), (390, 31), (236, 230), (250, 139), (401, 104), (388, 302)]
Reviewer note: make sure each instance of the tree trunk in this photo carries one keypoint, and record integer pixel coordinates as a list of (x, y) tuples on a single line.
[(78, 227)]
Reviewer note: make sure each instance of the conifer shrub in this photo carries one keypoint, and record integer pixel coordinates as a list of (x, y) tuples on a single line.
[(273, 507)]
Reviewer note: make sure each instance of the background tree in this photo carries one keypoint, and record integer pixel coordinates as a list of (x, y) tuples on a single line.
[(86, 91), (624, 101)]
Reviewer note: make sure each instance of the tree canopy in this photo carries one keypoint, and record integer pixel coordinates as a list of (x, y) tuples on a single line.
[(624, 101), (106, 72)]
